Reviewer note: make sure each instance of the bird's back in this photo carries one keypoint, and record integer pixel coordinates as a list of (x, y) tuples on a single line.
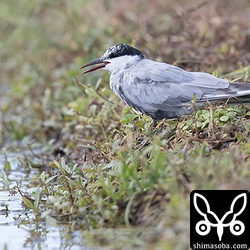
[(162, 90)]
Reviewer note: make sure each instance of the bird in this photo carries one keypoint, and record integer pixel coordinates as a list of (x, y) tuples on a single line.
[(162, 90)]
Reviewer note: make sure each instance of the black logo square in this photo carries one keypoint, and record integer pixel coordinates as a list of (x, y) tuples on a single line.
[(219, 219)]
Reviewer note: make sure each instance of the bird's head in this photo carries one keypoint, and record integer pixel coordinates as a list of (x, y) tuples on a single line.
[(116, 57)]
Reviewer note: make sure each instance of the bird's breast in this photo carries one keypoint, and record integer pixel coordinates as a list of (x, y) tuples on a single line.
[(116, 81), (120, 80), (122, 84)]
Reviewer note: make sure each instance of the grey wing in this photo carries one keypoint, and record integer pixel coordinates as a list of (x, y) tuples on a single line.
[(157, 85)]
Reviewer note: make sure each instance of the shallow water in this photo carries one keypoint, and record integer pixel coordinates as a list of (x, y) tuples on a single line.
[(19, 227)]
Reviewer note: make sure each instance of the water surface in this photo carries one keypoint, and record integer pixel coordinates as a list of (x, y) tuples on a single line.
[(20, 228)]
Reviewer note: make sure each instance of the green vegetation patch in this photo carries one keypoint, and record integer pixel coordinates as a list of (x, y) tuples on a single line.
[(105, 169)]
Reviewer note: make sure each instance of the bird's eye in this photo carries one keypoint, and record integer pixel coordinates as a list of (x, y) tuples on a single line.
[(112, 55)]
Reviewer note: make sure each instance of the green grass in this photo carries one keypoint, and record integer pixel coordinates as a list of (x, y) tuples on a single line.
[(108, 167)]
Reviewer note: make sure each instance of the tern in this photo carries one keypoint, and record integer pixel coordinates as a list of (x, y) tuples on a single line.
[(162, 90)]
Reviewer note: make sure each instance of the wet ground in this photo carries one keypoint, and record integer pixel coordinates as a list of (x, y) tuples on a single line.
[(20, 228)]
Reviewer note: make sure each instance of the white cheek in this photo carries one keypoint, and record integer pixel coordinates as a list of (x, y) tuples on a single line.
[(108, 67), (121, 63)]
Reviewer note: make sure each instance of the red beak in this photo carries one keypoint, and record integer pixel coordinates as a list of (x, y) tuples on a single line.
[(97, 61)]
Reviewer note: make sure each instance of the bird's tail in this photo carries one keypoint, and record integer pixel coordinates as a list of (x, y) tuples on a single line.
[(242, 93), (237, 92)]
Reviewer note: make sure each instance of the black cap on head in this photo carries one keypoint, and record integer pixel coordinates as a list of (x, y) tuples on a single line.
[(122, 50)]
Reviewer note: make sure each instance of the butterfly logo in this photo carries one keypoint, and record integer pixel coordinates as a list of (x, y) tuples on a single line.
[(203, 227)]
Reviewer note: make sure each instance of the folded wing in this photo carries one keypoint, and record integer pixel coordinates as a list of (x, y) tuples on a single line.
[(152, 87)]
